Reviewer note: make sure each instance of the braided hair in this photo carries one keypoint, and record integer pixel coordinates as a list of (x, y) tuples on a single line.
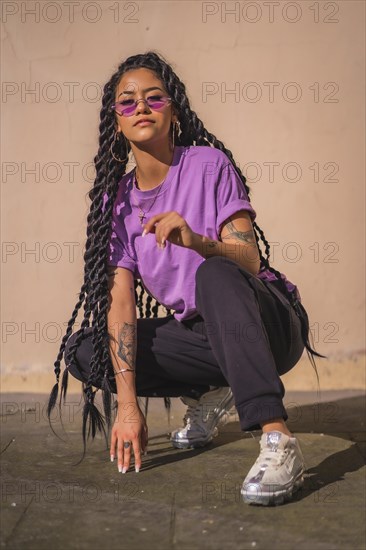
[(93, 294)]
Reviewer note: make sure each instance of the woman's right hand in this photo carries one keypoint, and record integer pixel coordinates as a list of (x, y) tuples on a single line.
[(129, 426)]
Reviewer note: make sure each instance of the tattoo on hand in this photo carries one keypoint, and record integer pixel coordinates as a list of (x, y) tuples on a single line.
[(127, 343)]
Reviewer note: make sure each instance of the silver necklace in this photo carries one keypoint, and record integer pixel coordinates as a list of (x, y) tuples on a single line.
[(142, 213)]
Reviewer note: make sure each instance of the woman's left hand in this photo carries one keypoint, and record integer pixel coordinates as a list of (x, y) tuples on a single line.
[(170, 226)]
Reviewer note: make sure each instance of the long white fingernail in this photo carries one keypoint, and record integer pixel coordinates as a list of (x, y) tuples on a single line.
[(112, 458), (124, 469), (120, 469), (144, 233), (137, 470)]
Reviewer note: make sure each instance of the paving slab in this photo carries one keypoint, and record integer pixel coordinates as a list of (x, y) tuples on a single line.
[(181, 499)]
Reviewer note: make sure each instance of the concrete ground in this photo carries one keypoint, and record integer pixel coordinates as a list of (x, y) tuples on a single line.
[(181, 499)]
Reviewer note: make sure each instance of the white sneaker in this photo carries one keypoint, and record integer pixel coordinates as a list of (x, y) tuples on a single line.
[(202, 417), (278, 471)]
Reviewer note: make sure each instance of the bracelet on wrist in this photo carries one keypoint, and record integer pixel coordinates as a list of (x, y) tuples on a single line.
[(124, 370)]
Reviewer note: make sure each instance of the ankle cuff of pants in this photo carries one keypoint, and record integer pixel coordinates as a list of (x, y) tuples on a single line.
[(258, 410)]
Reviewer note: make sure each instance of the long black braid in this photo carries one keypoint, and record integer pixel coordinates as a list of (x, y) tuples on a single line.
[(93, 294)]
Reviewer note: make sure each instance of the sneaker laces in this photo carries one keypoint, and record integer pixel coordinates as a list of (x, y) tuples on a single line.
[(193, 414), (269, 457)]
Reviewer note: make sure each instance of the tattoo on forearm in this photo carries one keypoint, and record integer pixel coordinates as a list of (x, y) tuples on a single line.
[(127, 343), (244, 236)]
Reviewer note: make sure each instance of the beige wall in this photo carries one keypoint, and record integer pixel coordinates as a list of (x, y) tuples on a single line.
[(312, 205)]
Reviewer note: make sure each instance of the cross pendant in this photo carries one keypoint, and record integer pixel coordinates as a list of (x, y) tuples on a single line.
[(141, 216)]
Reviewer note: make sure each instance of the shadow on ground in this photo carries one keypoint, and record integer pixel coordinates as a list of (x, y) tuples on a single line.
[(181, 498)]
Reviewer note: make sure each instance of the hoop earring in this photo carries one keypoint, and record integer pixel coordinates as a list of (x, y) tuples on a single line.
[(175, 125), (112, 145)]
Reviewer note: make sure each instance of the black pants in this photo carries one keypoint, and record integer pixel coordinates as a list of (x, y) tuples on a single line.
[(245, 336)]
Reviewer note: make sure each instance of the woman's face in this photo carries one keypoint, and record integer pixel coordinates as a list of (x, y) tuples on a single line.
[(141, 84)]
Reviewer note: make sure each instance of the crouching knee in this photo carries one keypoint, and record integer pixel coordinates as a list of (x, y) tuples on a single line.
[(211, 266)]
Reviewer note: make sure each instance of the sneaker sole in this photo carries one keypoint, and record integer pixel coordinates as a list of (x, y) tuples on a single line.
[(196, 443), (273, 498)]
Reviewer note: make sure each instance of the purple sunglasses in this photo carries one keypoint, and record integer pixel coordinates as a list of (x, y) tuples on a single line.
[(127, 107)]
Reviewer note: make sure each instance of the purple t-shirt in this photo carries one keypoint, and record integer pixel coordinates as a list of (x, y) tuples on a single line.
[(204, 188)]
